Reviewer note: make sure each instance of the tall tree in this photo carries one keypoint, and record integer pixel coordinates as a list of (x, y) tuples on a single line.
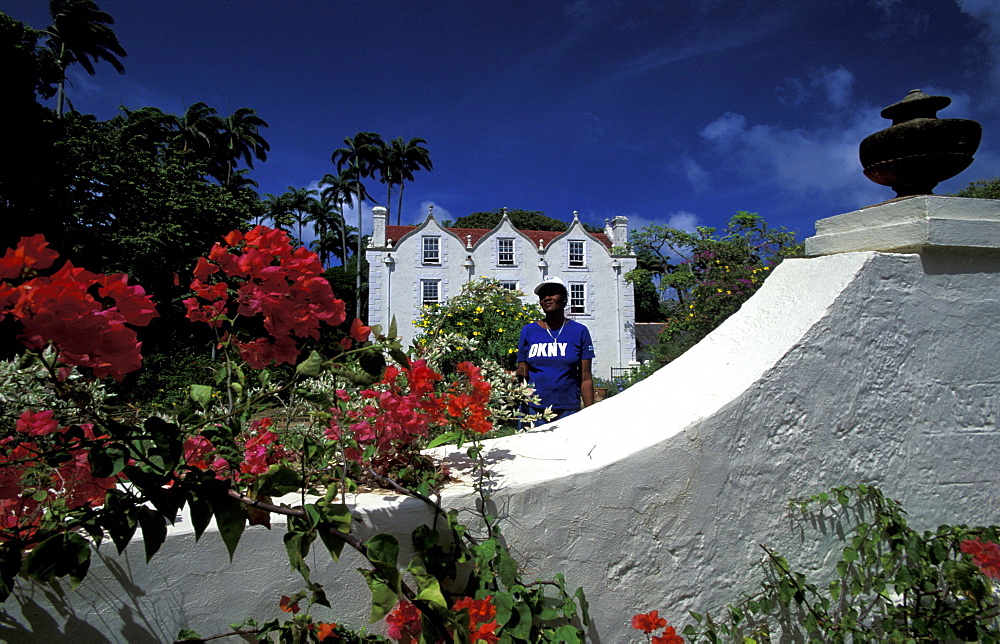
[(360, 154), (399, 160), (80, 33), (239, 138), (301, 202), (197, 131), (341, 188)]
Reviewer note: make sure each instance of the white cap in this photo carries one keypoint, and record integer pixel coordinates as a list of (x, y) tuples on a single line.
[(554, 281)]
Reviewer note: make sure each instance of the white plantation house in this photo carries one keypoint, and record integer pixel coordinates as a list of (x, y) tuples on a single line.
[(412, 266)]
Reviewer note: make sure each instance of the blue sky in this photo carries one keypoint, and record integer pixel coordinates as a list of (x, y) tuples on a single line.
[(677, 112)]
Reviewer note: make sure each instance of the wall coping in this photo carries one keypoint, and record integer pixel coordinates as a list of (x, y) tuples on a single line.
[(910, 225)]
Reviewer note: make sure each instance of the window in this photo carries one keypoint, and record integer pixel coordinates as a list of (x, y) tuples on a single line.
[(510, 286), (505, 251), (577, 298), (430, 292), (576, 254), (432, 250)]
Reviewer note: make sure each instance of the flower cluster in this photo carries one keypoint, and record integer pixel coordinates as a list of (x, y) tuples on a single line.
[(271, 279), (404, 621), (260, 451), (84, 315), (985, 555), (29, 485), (404, 405), (651, 621)]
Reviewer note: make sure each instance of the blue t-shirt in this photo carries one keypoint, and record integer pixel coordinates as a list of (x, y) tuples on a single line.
[(554, 361)]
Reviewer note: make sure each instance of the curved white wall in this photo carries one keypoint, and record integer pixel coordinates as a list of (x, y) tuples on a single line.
[(860, 366)]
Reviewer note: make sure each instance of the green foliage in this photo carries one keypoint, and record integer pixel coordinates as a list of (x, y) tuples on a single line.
[(890, 583), (520, 219), (484, 311), (618, 384), (706, 276), (985, 189)]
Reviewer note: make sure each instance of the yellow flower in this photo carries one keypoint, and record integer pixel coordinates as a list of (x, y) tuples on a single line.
[(475, 333), (460, 323), (499, 330)]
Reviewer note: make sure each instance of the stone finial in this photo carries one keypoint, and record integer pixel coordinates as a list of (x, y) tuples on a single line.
[(541, 245), (576, 216), (468, 242), (919, 150), (503, 212), (379, 215), (430, 210)]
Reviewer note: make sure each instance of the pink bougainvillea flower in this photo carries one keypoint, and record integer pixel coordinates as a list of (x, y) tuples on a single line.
[(404, 622), (986, 555), (36, 423), (648, 622)]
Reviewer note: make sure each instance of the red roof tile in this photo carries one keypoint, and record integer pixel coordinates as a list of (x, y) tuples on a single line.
[(395, 233)]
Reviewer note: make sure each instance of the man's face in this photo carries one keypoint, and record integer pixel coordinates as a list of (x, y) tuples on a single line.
[(551, 298)]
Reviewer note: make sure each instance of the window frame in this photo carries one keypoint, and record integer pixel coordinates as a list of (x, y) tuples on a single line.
[(501, 242), (427, 252), (581, 262), (424, 284), (510, 285), (581, 308)]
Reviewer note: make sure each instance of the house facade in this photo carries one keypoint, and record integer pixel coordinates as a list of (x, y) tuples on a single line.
[(414, 266)]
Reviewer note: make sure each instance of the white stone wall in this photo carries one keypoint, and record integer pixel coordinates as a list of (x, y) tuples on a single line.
[(394, 288), (855, 367)]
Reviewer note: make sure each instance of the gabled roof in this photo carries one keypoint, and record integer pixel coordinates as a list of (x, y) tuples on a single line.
[(395, 233)]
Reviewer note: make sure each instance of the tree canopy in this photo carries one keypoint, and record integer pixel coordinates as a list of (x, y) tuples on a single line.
[(984, 189), (520, 219)]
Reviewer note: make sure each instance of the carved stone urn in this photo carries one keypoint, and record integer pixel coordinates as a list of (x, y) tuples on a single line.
[(919, 150)]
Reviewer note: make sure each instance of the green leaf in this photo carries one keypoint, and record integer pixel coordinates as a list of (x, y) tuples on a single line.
[(154, 530), (384, 598), (392, 330), (372, 361), (297, 546), (119, 520), (507, 568), (188, 634), (424, 538), (311, 366), (400, 357), (584, 606), (850, 554), (428, 587), (383, 549), (59, 556), (445, 438), (202, 394), (231, 518), (201, 515), (10, 565), (519, 626), (278, 480), (504, 603)]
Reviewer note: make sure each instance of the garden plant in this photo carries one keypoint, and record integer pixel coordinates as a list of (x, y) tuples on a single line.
[(74, 476)]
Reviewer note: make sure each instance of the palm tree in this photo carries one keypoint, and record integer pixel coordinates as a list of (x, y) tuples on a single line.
[(327, 219), (277, 210), (300, 202), (340, 189), (198, 130), (361, 156), (80, 34), (147, 128), (239, 137), (398, 162)]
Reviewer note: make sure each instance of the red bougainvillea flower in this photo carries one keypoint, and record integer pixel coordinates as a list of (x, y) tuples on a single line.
[(29, 485), (283, 285), (482, 618), (404, 622), (986, 555), (648, 622), (261, 450), (62, 309), (669, 636), (36, 423), (286, 604), (32, 253), (324, 630), (359, 331)]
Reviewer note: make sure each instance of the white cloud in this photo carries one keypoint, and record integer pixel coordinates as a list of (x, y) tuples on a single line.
[(695, 173), (838, 84), (987, 12), (683, 220), (822, 160)]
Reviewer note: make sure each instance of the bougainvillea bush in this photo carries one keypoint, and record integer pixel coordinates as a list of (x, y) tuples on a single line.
[(73, 478)]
